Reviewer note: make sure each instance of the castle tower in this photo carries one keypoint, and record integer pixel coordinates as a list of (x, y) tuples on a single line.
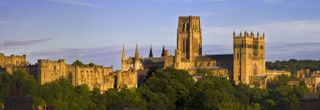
[(189, 40), (150, 53), (248, 57), (136, 59), (123, 59)]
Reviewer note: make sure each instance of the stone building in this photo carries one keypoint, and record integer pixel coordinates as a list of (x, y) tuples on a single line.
[(127, 79), (13, 62), (94, 76), (188, 55), (249, 56), (247, 61), (51, 70)]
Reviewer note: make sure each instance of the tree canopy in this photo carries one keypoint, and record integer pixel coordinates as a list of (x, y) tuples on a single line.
[(166, 89)]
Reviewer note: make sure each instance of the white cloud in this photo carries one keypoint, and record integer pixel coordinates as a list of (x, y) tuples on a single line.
[(289, 31), (77, 3)]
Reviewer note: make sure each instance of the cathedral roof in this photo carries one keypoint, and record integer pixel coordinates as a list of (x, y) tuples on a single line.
[(152, 60)]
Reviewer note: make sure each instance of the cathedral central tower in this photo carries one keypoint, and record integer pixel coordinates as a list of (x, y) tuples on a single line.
[(189, 39)]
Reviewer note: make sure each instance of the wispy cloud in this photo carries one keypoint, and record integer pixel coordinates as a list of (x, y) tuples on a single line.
[(4, 21), (77, 3), (9, 44)]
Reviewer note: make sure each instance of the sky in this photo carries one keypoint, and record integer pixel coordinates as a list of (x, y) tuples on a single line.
[(95, 30)]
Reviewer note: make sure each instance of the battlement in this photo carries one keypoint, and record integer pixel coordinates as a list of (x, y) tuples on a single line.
[(13, 56), (51, 61), (246, 35)]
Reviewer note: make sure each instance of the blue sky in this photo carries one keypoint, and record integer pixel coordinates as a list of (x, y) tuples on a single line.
[(95, 30)]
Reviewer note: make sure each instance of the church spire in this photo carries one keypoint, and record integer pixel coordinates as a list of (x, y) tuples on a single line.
[(150, 53), (163, 51), (136, 55)]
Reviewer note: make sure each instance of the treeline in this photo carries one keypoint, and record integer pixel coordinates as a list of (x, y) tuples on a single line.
[(167, 89), (293, 65)]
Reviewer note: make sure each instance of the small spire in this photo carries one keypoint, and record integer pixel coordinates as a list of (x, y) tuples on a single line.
[(263, 34), (163, 51), (150, 53), (251, 34), (234, 34), (136, 55), (258, 34), (123, 53)]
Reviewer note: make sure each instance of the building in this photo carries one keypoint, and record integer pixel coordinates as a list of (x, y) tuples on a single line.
[(94, 76), (13, 62), (249, 56), (246, 63)]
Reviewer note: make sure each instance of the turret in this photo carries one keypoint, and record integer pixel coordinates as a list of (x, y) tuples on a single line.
[(163, 51), (137, 59)]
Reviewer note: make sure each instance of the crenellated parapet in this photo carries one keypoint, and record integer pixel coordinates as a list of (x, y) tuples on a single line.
[(247, 35)]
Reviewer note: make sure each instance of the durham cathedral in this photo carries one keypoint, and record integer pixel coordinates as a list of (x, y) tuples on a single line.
[(246, 64)]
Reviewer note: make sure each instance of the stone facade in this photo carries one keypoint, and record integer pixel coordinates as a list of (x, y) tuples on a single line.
[(127, 79), (51, 70), (93, 76), (189, 39), (13, 62)]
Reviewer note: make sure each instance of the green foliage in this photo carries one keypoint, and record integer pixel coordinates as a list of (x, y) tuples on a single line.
[(166, 89), (293, 65), (79, 63)]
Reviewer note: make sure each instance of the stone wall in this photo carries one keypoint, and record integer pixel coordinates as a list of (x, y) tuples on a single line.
[(127, 79)]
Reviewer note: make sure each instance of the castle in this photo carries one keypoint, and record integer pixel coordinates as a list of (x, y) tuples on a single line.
[(246, 64), (47, 70)]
